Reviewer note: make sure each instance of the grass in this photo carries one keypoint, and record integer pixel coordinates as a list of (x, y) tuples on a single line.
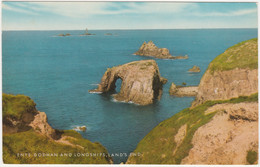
[(251, 157), (157, 146), (16, 106), (242, 55), (32, 142)]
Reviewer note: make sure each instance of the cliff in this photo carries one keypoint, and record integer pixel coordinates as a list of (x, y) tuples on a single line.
[(141, 82), (231, 74), (222, 129), (205, 134), (29, 139), (150, 49)]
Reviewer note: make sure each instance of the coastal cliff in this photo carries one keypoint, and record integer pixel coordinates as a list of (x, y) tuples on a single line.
[(29, 139), (218, 130), (141, 82), (231, 74), (150, 49)]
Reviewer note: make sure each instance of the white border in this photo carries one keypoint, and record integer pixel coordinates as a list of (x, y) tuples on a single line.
[(186, 1)]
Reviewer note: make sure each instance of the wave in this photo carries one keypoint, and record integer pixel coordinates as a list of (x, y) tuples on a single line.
[(95, 92), (77, 127), (94, 84), (129, 102)]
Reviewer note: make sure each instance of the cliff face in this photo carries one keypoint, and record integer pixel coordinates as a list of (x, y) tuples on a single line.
[(141, 82), (233, 73), (150, 49), (18, 113), (228, 137), (227, 84)]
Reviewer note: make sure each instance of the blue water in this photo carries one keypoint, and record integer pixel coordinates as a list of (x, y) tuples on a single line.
[(57, 72)]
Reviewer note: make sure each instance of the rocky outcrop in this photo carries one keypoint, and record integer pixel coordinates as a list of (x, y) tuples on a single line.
[(194, 69), (80, 128), (64, 35), (141, 82), (150, 49), (231, 74), (222, 85), (18, 121), (228, 137), (41, 125), (181, 91)]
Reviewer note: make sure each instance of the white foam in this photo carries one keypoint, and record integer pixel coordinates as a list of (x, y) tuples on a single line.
[(77, 128), (130, 102), (95, 92), (94, 84)]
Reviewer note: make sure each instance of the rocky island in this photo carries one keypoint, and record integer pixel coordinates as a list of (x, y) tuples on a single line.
[(26, 132), (194, 69), (181, 91), (221, 127), (64, 35), (141, 82), (150, 49)]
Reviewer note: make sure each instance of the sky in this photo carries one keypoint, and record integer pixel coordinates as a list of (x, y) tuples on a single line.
[(126, 15)]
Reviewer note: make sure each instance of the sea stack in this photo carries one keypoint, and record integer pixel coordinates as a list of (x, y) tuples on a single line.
[(141, 82), (150, 49), (194, 69)]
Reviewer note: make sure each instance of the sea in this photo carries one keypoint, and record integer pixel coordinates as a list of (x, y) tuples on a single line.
[(57, 72)]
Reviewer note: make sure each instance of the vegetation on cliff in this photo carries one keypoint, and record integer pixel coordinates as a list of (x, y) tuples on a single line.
[(160, 146), (242, 55), (70, 148), (16, 106), (231, 74)]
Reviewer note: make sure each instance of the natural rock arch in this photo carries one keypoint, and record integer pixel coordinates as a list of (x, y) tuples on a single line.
[(141, 82)]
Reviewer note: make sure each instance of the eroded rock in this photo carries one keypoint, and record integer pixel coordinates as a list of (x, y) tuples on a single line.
[(225, 140), (40, 124), (150, 49), (222, 85), (194, 69), (141, 82), (181, 91)]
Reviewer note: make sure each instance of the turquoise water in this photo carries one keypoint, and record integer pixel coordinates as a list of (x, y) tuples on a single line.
[(57, 72)]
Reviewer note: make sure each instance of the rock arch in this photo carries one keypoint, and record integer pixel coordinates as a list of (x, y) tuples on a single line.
[(141, 82)]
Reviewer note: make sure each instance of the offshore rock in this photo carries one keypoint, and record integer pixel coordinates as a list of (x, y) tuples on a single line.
[(194, 69), (150, 49), (141, 82), (181, 91)]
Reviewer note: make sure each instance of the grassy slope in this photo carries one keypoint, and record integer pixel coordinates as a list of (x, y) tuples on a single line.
[(157, 146), (15, 106), (33, 142), (242, 55)]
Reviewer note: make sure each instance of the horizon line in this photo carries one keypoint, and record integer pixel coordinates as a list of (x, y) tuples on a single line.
[(129, 29)]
